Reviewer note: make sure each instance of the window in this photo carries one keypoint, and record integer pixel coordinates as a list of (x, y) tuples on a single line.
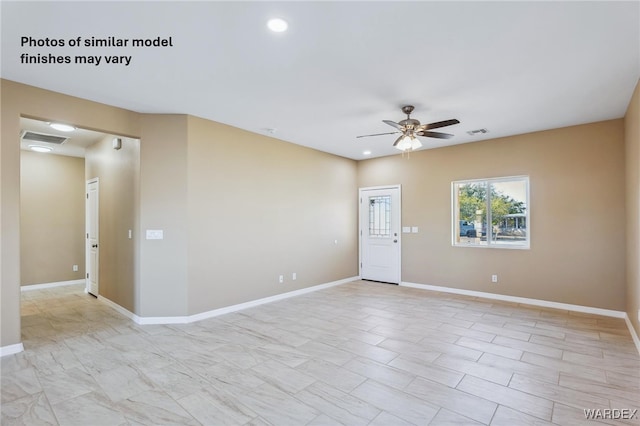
[(380, 216), (491, 212)]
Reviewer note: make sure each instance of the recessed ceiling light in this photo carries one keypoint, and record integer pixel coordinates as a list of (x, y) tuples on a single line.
[(40, 148), (62, 127), (277, 25), (366, 152)]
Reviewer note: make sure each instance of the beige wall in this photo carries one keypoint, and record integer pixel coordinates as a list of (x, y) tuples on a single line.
[(260, 208), (171, 194), (163, 206), (632, 156), (118, 172), (51, 218), (15, 100), (577, 214), (239, 209)]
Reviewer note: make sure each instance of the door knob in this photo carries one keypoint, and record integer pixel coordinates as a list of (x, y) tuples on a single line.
[(395, 241), (94, 246)]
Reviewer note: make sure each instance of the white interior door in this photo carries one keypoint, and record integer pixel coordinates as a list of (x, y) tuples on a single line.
[(92, 227), (380, 234)]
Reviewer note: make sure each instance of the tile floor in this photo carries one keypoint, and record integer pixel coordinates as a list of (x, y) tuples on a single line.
[(356, 354)]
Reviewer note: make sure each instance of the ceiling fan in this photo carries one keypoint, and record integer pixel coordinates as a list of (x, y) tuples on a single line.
[(410, 128)]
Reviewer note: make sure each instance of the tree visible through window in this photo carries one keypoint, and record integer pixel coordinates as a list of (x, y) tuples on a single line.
[(491, 212)]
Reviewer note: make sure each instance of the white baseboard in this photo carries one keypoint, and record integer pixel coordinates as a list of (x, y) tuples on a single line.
[(270, 299), (11, 349), (522, 300), (632, 330), (221, 311), (50, 285), (534, 302), (127, 313)]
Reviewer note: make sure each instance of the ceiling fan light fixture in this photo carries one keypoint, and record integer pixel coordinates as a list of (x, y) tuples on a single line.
[(408, 143), (415, 144), (409, 128)]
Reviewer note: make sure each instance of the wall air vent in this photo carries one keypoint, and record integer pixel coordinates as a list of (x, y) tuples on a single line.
[(43, 137), (477, 132)]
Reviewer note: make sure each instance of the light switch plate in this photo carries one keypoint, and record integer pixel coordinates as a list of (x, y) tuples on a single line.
[(414, 229), (155, 234), (406, 229)]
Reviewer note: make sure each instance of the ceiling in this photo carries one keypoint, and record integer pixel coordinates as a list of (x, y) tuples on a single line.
[(343, 67)]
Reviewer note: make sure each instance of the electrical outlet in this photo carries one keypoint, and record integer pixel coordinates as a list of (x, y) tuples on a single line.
[(294, 276), (494, 278), (281, 279), (75, 268)]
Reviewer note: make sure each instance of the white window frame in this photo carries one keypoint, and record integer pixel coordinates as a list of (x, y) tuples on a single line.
[(490, 242)]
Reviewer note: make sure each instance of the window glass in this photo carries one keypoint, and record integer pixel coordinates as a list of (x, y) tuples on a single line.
[(509, 212), (472, 213), (380, 216), (491, 212)]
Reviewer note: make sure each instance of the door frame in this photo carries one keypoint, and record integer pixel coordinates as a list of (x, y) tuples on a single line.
[(87, 285), (398, 223)]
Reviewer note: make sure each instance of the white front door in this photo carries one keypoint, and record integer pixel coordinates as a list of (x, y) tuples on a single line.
[(92, 227), (380, 234)]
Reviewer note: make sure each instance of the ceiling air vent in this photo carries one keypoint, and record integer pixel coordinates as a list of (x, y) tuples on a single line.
[(43, 137), (477, 132)]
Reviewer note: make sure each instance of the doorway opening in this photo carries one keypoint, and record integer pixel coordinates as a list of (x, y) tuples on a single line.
[(55, 166)]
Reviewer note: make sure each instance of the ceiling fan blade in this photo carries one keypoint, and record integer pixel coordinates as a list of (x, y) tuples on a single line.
[(434, 135), (398, 140), (440, 124), (393, 124), (377, 134)]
